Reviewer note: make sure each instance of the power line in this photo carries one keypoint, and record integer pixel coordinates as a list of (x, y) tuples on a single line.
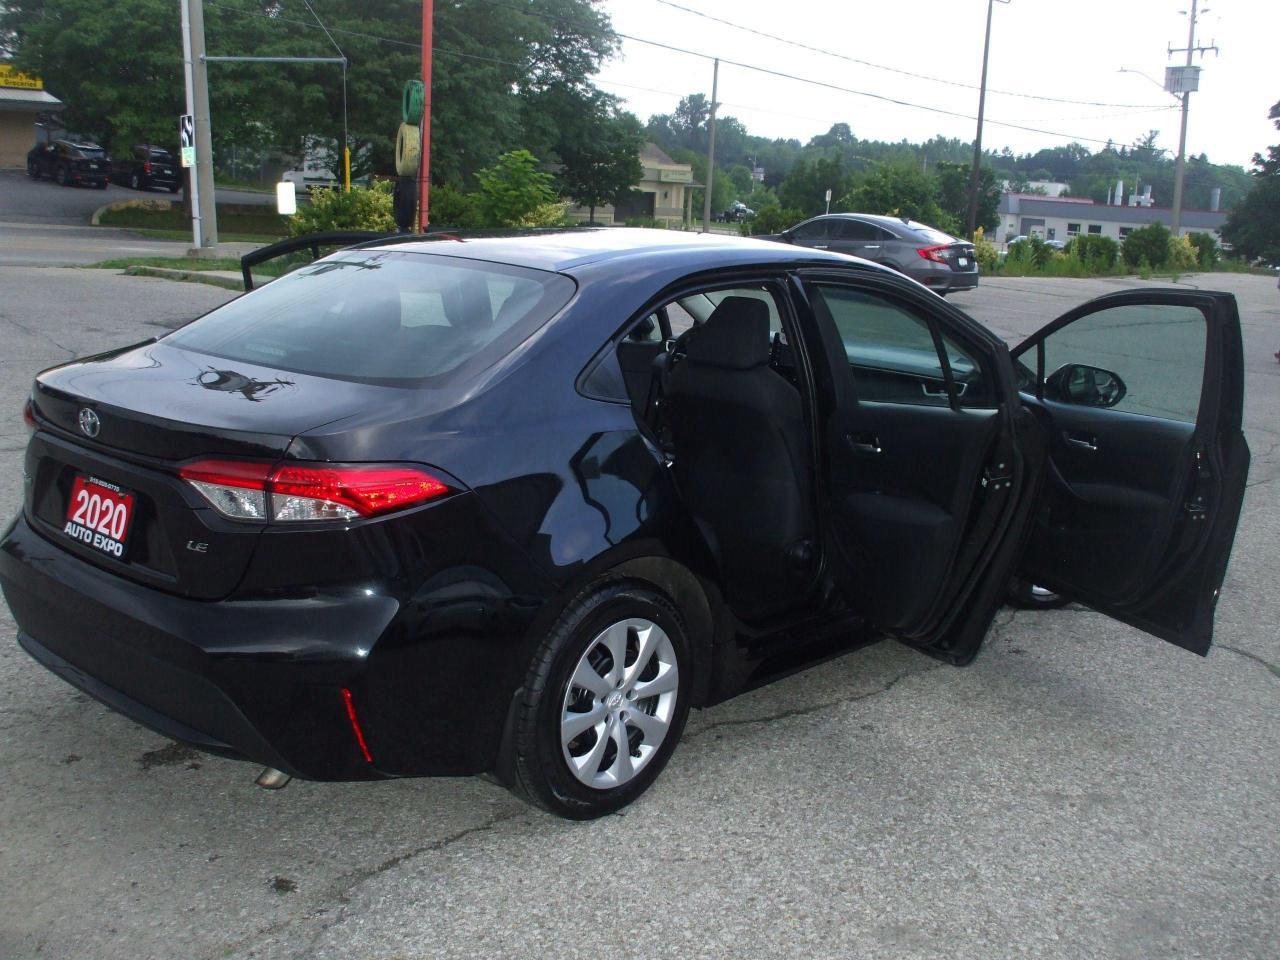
[(880, 66), (863, 93), (693, 53)]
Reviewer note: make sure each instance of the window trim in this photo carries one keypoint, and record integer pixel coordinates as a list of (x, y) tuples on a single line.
[(891, 292), (687, 287)]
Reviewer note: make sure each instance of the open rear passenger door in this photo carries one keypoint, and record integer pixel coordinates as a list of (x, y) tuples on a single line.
[(1141, 394)]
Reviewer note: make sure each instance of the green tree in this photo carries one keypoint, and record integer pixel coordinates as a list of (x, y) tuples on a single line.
[(601, 156), (900, 191), (1253, 224), (513, 189), (806, 185), (953, 194), (501, 81)]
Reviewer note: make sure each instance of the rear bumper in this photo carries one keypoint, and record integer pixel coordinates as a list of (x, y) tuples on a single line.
[(942, 278), (263, 679)]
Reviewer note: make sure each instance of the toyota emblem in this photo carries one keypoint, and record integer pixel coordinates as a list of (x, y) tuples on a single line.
[(89, 422)]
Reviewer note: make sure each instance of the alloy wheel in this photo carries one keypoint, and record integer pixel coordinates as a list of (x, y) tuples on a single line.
[(619, 703)]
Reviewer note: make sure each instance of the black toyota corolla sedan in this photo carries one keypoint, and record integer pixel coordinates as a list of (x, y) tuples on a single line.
[(515, 505)]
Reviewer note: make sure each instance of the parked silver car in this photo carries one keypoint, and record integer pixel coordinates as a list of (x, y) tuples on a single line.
[(941, 262)]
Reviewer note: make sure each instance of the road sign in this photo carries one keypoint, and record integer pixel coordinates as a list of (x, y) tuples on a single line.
[(187, 139)]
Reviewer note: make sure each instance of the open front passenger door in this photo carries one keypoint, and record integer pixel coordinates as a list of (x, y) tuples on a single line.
[(1141, 394)]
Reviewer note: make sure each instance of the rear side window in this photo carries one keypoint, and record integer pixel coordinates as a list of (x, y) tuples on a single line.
[(382, 317)]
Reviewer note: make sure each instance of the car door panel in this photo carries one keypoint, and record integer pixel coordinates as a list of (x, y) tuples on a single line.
[(907, 464), (1138, 511)]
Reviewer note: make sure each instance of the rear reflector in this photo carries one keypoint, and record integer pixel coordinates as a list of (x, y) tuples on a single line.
[(355, 725), (29, 416), (246, 490)]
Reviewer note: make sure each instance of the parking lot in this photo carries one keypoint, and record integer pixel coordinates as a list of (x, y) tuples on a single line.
[(1081, 791)]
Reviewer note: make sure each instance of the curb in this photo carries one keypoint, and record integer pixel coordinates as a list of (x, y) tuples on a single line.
[(188, 276)]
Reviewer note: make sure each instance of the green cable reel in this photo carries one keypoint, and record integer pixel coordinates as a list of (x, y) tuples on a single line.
[(412, 102)]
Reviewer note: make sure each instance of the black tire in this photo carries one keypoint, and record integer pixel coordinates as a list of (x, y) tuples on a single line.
[(135, 181), (174, 188), (1027, 596), (541, 773), (33, 170), (60, 175)]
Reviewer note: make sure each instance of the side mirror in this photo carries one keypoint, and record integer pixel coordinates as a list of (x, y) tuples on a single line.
[(1085, 386)]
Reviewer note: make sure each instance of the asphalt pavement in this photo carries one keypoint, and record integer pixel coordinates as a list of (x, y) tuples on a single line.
[(1081, 791), (43, 224)]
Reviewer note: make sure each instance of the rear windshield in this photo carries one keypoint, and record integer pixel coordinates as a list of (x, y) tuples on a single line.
[(90, 153), (382, 317), (930, 234), (159, 154)]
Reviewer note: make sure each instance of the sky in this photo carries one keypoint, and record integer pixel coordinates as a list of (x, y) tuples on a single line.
[(1064, 50)]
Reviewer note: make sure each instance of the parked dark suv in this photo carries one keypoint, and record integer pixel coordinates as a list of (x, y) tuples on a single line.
[(147, 166), (940, 261), (69, 162)]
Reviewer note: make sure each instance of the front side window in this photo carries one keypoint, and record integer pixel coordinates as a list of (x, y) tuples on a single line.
[(812, 233), (892, 354), (382, 317), (1137, 358)]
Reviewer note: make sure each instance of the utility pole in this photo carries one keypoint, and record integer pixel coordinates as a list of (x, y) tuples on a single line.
[(976, 173), (204, 214), (711, 149), (1188, 83), (424, 166)]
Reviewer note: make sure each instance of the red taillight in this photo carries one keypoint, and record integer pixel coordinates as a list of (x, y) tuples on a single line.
[(247, 490), (29, 416), (146, 166), (936, 254)]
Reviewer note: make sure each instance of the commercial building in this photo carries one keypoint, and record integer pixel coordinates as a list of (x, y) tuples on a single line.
[(1061, 218), (663, 193), (23, 104)]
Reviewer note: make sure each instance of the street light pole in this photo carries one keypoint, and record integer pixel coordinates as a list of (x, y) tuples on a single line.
[(975, 174)]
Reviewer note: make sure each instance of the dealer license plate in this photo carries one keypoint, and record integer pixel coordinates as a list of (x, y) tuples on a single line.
[(99, 515)]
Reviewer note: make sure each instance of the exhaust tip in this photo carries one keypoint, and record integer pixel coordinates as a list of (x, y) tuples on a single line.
[(272, 779)]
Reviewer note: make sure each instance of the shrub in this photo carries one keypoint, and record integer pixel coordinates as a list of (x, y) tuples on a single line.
[(1183, 254), (1028, 256), (1206, 249), (652, 223), (984, 251), (554, 213), (1149, 243), (451, 207), (363, 208), (515, 192), (1096, 252), (771, 219)]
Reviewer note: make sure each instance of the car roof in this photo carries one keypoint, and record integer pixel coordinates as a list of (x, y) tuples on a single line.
[(565, 251)]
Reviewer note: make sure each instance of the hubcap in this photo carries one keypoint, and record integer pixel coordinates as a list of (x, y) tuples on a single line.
[(619, 703)]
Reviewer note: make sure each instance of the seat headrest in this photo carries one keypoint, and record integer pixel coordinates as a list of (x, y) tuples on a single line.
[(735, 336)]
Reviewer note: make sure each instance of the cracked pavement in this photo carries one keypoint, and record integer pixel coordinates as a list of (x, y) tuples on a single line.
[(1081, 791)]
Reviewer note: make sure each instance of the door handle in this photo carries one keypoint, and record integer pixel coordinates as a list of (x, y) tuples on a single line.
[(872, 246), (864, 442), (819, 246), (1081, 440)]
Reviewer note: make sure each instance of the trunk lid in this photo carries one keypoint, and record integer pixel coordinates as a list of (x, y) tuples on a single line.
[(154, 407)]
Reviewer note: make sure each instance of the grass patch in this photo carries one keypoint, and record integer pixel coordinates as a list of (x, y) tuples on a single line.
[(232, 224), (274, 268)]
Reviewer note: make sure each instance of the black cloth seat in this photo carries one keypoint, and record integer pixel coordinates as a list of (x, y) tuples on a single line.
[(741, 457)]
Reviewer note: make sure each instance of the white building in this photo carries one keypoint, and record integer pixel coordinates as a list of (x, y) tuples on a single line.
[(1061, 218)]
